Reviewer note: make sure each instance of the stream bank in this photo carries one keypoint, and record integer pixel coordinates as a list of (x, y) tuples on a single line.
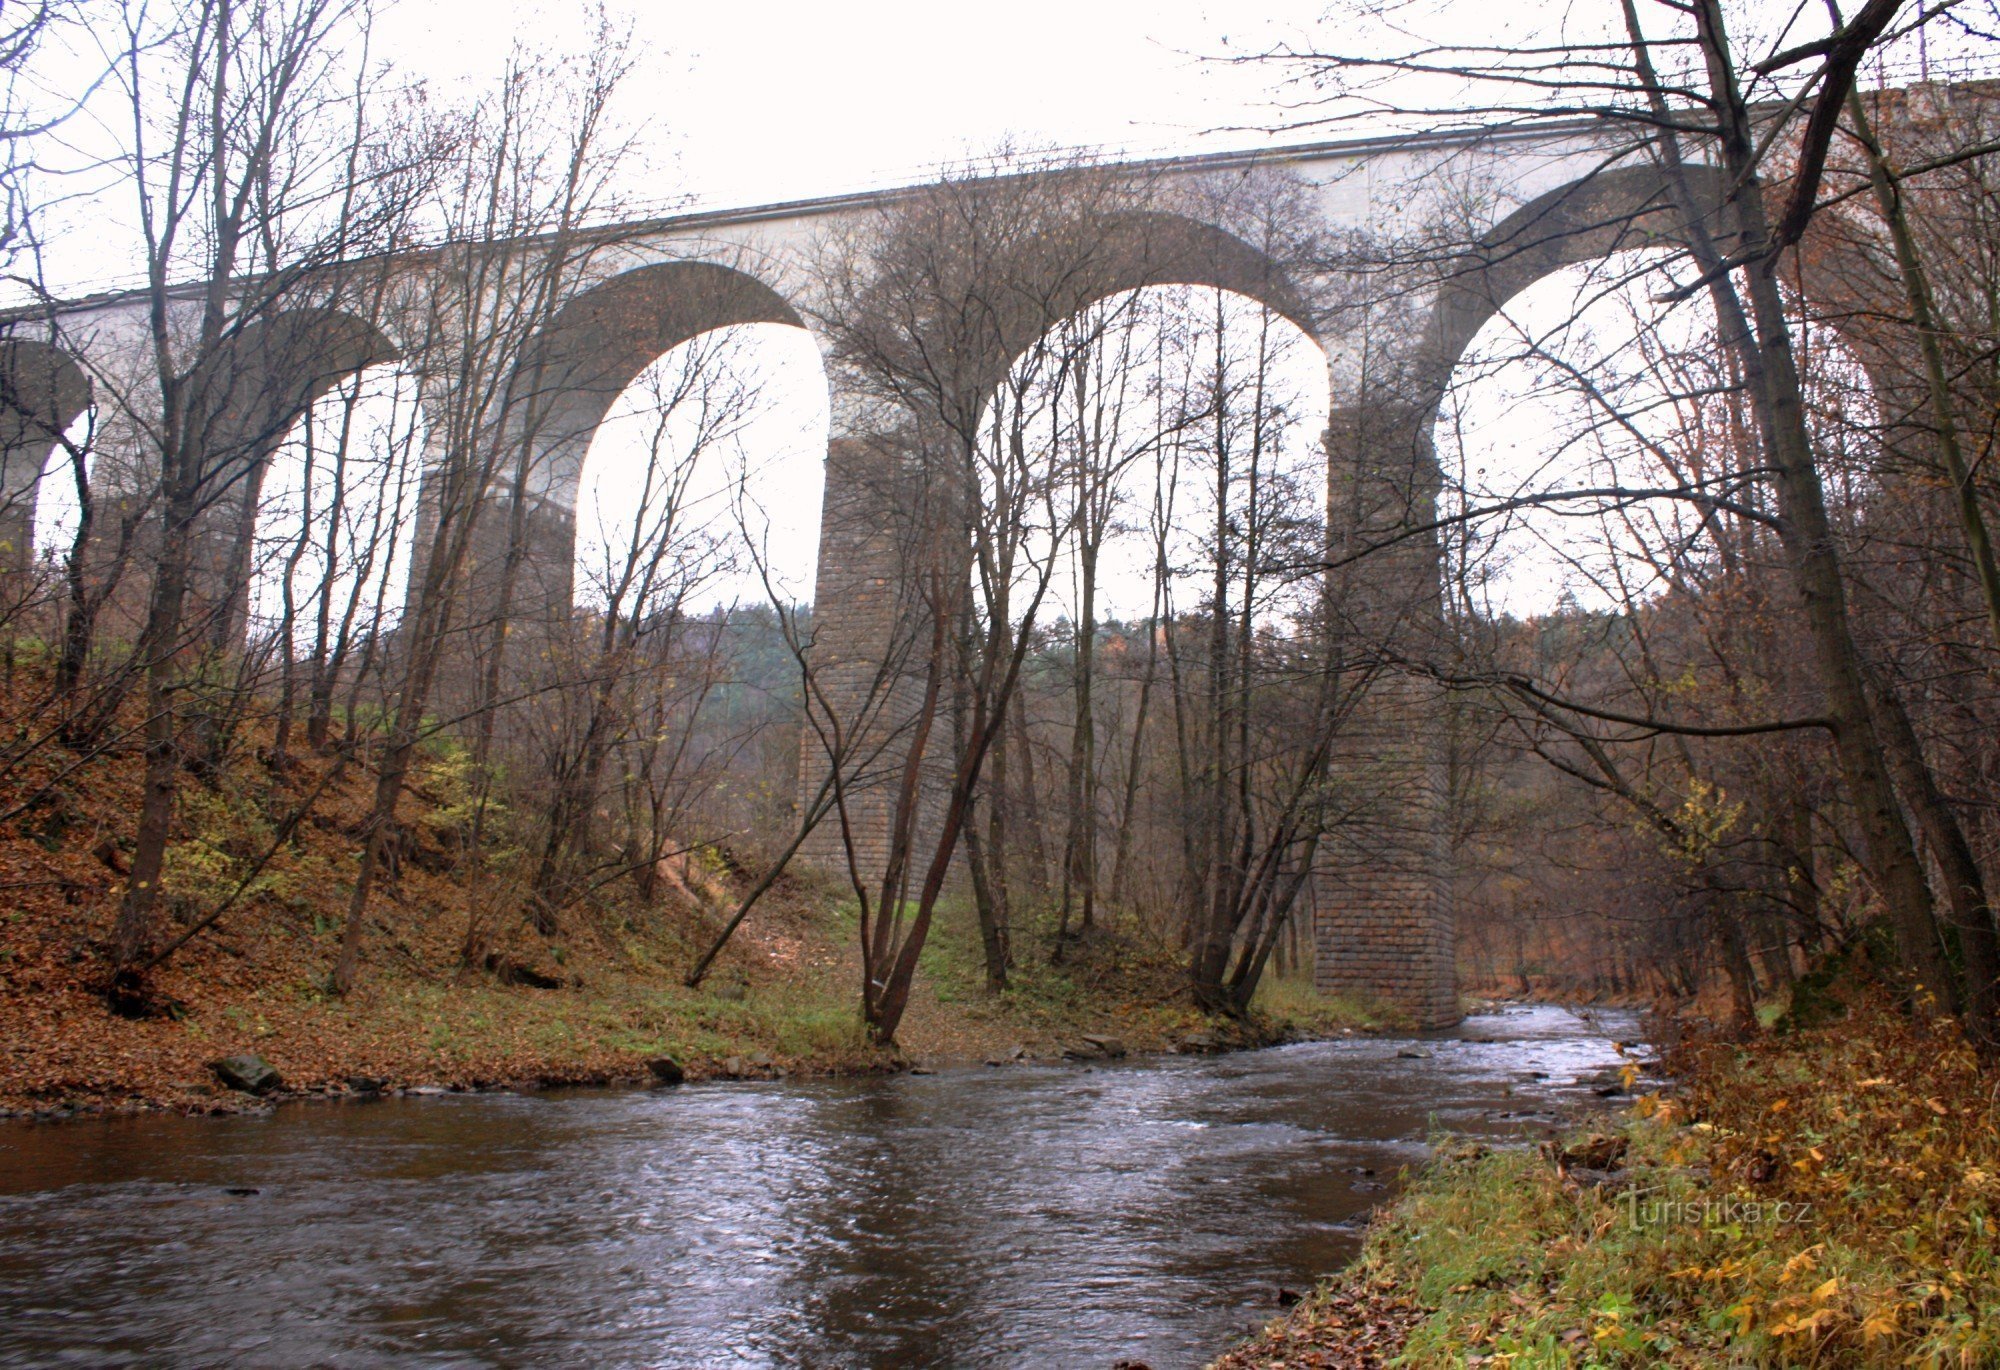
[(1822, 1195)]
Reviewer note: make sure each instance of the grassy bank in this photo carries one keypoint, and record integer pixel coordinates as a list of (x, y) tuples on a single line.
[(595, 1002), (1822, 1196), (783, 1001)]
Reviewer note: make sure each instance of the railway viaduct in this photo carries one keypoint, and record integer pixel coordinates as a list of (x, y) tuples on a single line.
[(1537, 197)]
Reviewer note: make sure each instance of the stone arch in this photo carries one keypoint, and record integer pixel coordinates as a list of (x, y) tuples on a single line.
[(1623, 209), (1154, 247), (42, 392), (604, 337), (1139, 249), (1626, 209), (1585, 220), (864, 599), (248, 397), (258, 384), (567, 380), (1382, 440)]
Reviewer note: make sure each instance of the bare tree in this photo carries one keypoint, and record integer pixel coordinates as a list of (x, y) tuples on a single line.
[(535, 167), (1675, 88), (240, 114)]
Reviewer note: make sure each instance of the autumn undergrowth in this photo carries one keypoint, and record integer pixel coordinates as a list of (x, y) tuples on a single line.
[(1112, 979), (1119, 977), (1823, 1196), (1290, 1001), (455, 985)]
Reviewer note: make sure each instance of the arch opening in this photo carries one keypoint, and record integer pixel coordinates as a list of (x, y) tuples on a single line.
[(56, 502), (336, 518), (600, 342), (1595, 447), (46, 420), (693, 518), (1168, 443), (702, 485), (1181, 430)]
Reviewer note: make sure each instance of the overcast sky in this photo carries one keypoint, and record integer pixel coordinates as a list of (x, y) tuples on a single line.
[(784, 99)]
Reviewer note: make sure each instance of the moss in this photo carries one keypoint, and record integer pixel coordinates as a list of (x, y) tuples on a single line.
[(1291, 1004)]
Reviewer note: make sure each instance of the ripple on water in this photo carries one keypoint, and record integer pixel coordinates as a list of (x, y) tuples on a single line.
[(1031, 1216)]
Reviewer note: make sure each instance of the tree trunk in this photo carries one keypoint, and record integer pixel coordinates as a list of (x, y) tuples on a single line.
[(1763, 342)]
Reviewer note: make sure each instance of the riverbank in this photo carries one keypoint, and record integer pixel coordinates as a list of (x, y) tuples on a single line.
[(1824, 1196), (595, 1005), (1147, 1210), (456, 988), (781, 1004)]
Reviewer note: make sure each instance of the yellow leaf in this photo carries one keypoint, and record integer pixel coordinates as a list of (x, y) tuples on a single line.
[(1872, 1084), (1809, 1323), (1937, 1106), (1780, 1105), (1881, 1323), (1827, 1290), (1799, 1263)]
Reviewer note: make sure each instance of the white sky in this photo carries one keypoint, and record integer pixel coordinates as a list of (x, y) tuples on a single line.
[(741, 104), (786, 99)]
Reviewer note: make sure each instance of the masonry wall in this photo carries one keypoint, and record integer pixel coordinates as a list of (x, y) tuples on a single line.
[(863, 655), (1383, 925)]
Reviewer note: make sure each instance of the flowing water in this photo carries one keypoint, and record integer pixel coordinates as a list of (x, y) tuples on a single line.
[(1147, 1210)]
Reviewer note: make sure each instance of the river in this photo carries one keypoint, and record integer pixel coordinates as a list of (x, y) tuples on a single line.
[(1031, 1215)]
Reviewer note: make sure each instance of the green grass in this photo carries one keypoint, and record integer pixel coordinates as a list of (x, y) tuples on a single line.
[(1822, 1198), (1292, 1000)]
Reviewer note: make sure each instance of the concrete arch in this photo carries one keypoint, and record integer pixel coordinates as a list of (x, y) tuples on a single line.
[(42, 392), (563, 386), (258, 384), (248, 397), (1383, 921), (1621, 210), (1150, 248), (1138, 249)]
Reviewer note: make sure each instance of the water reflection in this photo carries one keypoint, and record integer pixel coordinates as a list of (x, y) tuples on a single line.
[(1031, 1216)]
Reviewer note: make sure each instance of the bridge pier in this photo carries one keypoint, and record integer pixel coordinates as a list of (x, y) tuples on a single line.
[(1384, 928), (865, 654), (1383, 923)]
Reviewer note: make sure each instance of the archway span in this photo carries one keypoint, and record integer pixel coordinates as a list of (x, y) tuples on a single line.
[(1594, 453), (701, 490), (1157, 248), (603, 338), (1584, 221), (246, 400), (1153, 412), (335, 518), (42, 392), (1134, 251), (256, 387)]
